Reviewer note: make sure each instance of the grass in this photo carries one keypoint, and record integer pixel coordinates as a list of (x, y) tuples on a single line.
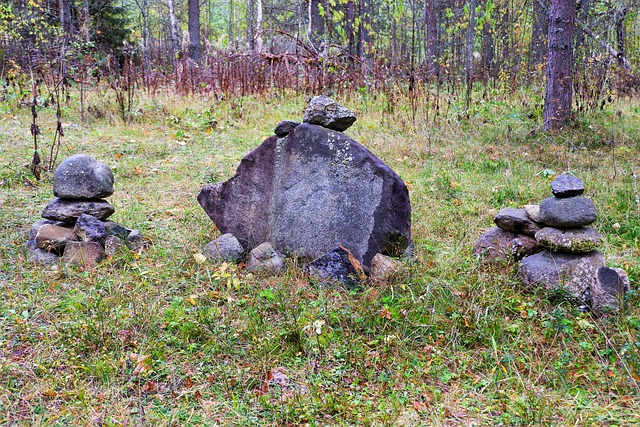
[(157, 338)]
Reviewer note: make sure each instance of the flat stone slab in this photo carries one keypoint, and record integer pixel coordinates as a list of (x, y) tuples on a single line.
[(573, 273), (83, 254), (53, 238), (82, 177), (567, 212), (566, 185), (310, 192), (571, 240), (68, 211), (327, 113), (516, 220)]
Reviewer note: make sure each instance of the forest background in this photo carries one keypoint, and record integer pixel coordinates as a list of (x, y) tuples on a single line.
[(476, 104)]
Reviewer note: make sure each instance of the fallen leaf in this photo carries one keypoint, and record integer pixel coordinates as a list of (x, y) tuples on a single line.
[(200, 258)]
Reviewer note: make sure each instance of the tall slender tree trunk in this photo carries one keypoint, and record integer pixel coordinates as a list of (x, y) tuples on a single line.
[(539, 31), (251, 32), (351, 39), (173, 32), (259, 41), (65, 15), (363, 28), (619, 17), (86, 25), (195, 50), (559, 89), (431, 38), (471, 39), (315, 30)]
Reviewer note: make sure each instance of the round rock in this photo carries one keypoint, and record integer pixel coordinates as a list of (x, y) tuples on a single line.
[(494, 245), (82, 177), (226, 248), (264, 258), (566, 185), (568, 212), (572, 240)]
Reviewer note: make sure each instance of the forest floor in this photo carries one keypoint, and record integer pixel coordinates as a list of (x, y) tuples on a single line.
[(161, 338)]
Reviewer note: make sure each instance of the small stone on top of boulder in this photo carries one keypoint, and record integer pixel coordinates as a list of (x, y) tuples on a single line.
[(327, 113), (82, 177), (566, 185)]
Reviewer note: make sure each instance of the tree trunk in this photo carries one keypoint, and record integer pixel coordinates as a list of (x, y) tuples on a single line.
[(431, 38), (258, 26), (65, 15), (351, 39), (173, 31), (471, 38), (251, 32), (86, 26), (363, 28), (316, 23), (195, 50), (539, 30), (619, 17), (559, 88)]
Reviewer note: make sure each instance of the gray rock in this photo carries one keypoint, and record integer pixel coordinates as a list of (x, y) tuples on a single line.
[(83, 254), (568, 212), (67, 210), (134, 240), (53, 238), (523, 246), (533, 212), (516, 220), (337, 268), (224, 248), (607, 292), (36, 226), (573, 273), (571, 240), (310, 192), (327, 113), (265, 258), (82, 177), (285, 127), (384, 268), (90, 229), (114, 229), (112, 244), (38, 256), (566, 185), (494, 245)]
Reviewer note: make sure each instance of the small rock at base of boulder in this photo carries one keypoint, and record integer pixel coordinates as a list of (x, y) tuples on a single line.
[(533, 212), (264, 258), (336, 268), (285, 127), (82, 177), (607, 292), (67, 210), (112, 244), (114, 229), (516, 220), (384, 268), (572, 273), (37, 255), (83, 254), (523, 246), (90, 229), (134, 240), (54, 238), (568, 212), (224, 248), (494, 245), (571, 240), (327, 113), (35, 227), (566, 185)]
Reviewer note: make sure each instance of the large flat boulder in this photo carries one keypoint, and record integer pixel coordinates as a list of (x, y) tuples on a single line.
[(310, 192)]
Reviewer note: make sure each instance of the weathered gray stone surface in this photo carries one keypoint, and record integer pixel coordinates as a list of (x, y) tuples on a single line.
[(37, 255), (327, 113), (607, 292), (568, 212), (112, 244), (90, 229), (516, 220), (82, 177), (67, 210), (574, 273), (494, 245), (285, 127), (384, 268), (52, 237), (533, 212), (224, 248), (571, 240), (114, 229), (523, 246), (265, 258), (83, 254), (336, 269), (310, 192), (134, 240), (566, 185)]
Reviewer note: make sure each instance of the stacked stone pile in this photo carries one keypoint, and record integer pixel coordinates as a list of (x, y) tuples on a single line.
[(75, 228), (557, 246), (312, 192)]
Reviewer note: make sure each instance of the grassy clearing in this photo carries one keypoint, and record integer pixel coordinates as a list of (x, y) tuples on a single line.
[(158, 339)]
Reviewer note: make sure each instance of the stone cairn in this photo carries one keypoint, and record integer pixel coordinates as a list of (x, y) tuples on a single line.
[(312, 192), (75, 229), (557, 247)]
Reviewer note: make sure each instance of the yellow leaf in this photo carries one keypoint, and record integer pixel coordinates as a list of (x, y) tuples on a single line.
[(200, 258)]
